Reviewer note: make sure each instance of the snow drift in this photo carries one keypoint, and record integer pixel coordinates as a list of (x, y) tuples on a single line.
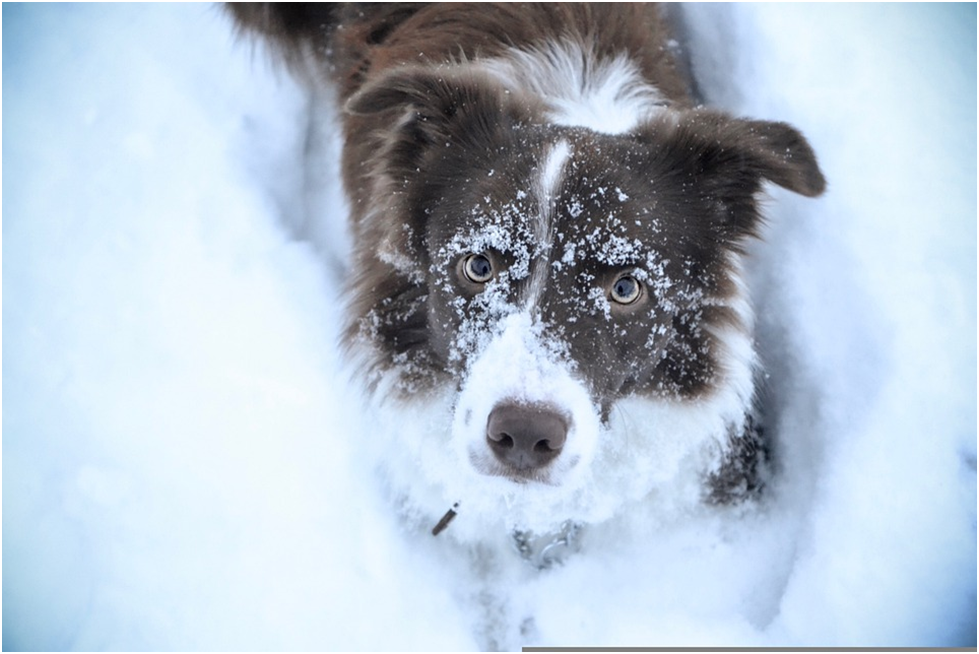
[(183, 461)]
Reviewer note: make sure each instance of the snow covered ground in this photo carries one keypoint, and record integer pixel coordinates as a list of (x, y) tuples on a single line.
[(180, 444)]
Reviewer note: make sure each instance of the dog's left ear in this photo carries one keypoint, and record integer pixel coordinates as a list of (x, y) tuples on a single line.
[(730, 157)]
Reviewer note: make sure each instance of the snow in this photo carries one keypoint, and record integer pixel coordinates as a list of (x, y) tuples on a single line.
[(184, 456)]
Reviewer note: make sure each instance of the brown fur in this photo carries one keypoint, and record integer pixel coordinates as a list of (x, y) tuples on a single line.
[(424, 135)]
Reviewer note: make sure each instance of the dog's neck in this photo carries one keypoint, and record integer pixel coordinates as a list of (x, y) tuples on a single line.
[(544, 550), (538, 550)]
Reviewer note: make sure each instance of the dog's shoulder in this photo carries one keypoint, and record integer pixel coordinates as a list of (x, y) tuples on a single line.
[(353, 41)]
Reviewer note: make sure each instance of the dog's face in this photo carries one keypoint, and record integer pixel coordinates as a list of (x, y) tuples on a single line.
[(546, 277)]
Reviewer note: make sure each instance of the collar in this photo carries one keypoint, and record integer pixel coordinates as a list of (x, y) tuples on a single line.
[(543, 551)]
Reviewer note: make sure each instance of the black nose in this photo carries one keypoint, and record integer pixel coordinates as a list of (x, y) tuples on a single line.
[(525, 436)]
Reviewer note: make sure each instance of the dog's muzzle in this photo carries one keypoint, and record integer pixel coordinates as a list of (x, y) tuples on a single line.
[(521, 414)]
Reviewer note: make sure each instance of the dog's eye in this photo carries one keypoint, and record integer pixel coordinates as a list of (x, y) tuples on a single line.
[(477, 268), (626, 289)]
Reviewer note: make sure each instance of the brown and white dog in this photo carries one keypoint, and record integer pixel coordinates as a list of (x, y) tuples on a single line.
[(547, 287)]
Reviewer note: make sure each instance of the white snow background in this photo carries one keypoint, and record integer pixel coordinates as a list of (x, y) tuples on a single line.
[(180, 447)]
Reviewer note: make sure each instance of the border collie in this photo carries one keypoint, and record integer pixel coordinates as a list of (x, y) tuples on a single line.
[(547, 293)]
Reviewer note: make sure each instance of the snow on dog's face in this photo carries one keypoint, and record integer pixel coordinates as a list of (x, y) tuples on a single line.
[(574, 294)]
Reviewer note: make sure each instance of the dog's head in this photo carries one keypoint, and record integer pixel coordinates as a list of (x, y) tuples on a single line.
[(576, 294)]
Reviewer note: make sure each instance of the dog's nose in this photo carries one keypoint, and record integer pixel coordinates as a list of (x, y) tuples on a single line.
[(525, 436)]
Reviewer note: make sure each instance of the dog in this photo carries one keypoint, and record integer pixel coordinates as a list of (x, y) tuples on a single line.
[(547, 295)]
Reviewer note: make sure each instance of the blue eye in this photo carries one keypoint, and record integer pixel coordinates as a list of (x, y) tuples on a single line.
[(626, 290), (477, 268)]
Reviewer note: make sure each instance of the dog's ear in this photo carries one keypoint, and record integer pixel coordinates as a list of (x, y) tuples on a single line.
[(422, 106), (729, 158), (744, 152), (436, 94)]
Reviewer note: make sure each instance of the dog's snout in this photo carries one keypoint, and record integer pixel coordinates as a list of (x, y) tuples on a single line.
[(525, 437)]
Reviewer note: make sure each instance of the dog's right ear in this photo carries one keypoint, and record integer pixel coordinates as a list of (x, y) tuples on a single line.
[(424, 106), (437, 94)]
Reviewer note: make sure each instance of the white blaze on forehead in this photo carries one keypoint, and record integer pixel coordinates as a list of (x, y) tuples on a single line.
[(552, 171), (546, 188)]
